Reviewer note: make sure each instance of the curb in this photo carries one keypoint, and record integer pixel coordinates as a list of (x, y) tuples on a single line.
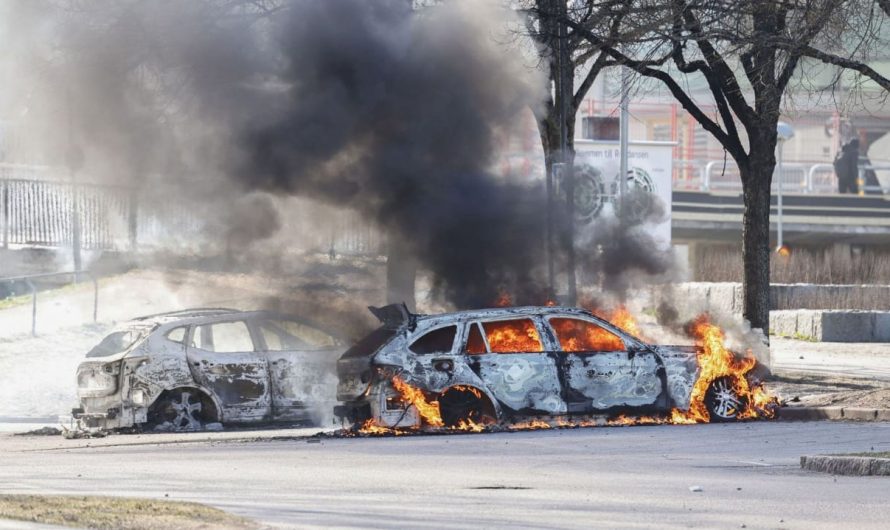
[(832, 413), (846, 465)]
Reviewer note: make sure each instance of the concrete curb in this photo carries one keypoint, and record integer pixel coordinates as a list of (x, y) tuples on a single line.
[(846, 465), (832, 413)]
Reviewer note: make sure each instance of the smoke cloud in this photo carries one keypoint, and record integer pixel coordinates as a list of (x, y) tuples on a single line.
[(370, 106), (222, 109)]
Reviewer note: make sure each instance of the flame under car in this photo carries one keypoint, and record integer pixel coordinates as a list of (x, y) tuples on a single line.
[(508, 364), (189, 369)]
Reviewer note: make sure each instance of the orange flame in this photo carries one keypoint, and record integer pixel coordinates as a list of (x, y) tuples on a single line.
[(428, 410), (716, 361), (518, 335), (504, 300)]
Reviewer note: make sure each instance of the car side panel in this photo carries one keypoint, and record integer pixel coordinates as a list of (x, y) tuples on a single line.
[(522, 381), (614, 379), (301, 381), (681, 370)]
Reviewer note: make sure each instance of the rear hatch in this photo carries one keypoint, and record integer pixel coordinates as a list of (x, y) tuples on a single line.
[(354, 367)]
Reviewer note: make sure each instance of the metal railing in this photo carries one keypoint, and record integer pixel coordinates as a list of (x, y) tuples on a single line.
[(797, 177), (28, 280)]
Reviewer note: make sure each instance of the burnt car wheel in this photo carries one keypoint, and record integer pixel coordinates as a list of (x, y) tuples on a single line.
[(723, 400), (466, 403), (181, 410)]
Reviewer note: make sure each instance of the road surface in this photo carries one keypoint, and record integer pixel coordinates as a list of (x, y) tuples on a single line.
[(600, 477)]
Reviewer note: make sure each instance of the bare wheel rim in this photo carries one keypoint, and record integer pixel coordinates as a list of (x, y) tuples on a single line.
[(725, 402), (187, 412)]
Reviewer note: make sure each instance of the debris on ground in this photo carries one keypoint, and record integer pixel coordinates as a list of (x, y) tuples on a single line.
[(43, 431)]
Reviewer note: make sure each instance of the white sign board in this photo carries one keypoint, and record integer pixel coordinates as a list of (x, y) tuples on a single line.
[(597, 165)]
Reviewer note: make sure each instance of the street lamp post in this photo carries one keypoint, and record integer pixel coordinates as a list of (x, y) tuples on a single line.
[(785, 132)]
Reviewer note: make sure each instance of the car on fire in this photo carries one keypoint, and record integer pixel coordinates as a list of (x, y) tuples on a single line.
[(513, 363), (189, 369)]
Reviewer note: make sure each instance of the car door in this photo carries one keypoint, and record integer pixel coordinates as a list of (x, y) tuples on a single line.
[(599, 371), (509, 357), (302, 367), (223, 358)]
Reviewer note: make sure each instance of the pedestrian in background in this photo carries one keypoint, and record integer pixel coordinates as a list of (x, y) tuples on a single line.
[(846, 167)]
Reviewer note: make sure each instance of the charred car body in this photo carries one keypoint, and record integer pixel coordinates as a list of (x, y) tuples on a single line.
[(509, 363), (187, 369)]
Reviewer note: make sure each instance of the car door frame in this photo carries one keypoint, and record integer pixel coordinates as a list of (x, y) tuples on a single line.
[(483, 364), (257, 408), (284, 408), (629, 360)]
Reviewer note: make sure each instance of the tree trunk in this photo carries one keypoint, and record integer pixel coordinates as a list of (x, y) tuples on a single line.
[(756, 182)]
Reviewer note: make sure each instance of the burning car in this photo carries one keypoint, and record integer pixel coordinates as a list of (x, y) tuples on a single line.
[(187, 369), (478, 367)]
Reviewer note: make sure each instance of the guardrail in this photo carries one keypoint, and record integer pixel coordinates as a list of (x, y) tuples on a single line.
[(28, 281), (817, 178)]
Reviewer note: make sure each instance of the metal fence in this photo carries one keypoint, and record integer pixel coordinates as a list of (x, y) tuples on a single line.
[(42, 212)]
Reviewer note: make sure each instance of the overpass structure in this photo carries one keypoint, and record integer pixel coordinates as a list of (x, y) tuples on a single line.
[(808, 219)]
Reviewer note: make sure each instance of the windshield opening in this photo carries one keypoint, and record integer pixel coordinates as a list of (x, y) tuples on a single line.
[(117, 342)]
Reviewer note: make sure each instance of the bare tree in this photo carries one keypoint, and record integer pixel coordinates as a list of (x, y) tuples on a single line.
[(749, 52)]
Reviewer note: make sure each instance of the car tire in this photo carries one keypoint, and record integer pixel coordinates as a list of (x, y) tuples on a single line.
[(181, 410), (465, 403), (722, 400)]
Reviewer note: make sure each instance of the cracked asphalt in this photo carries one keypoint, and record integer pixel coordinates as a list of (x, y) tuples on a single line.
[(610, 477)]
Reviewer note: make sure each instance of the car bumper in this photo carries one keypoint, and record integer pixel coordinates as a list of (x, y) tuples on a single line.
[(110, 418)]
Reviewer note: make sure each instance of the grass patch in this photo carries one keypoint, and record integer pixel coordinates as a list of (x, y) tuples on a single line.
[(117, 512), (13, 301), (878, 454)]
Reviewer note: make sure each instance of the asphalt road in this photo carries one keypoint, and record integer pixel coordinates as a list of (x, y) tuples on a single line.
[(601, 477)]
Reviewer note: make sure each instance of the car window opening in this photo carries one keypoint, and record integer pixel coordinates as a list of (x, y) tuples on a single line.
[(513, 336), (436, 341), (577, 335), (475, 342), (177, 334), (116, 342), (283, 335), (224, 337), (370, 344)]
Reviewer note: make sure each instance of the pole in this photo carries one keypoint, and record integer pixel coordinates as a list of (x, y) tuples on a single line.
[(73, 161), (623, 135), (5, 214), (779, 199)]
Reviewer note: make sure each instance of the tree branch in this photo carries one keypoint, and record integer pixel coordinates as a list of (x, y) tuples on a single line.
[(849, 64)]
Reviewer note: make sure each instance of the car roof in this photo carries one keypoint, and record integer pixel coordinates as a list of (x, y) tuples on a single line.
[(200, 314), (496, 312)]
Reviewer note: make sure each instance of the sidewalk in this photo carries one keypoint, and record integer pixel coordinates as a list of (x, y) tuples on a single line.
[(868, 360)]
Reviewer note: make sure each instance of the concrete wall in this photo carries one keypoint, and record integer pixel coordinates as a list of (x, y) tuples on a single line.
[(832, 326), (728, 296)]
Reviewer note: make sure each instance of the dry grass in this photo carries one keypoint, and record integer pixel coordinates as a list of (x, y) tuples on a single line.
[(118, 513), (850, 280), (824, 266)]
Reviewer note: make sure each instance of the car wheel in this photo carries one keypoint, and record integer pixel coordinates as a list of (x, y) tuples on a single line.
[(466, 403), (181, 410), (723, 400)]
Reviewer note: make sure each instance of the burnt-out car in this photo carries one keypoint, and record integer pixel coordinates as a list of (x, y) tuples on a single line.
[(513, 363), (188, 369)]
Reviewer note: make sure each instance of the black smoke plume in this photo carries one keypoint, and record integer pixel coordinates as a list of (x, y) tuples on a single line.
[(395, 113)]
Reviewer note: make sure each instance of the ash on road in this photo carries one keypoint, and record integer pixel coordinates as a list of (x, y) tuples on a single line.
[(748, 474)]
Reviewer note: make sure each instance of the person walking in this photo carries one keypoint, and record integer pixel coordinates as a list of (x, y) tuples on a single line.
[(846, 167)]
